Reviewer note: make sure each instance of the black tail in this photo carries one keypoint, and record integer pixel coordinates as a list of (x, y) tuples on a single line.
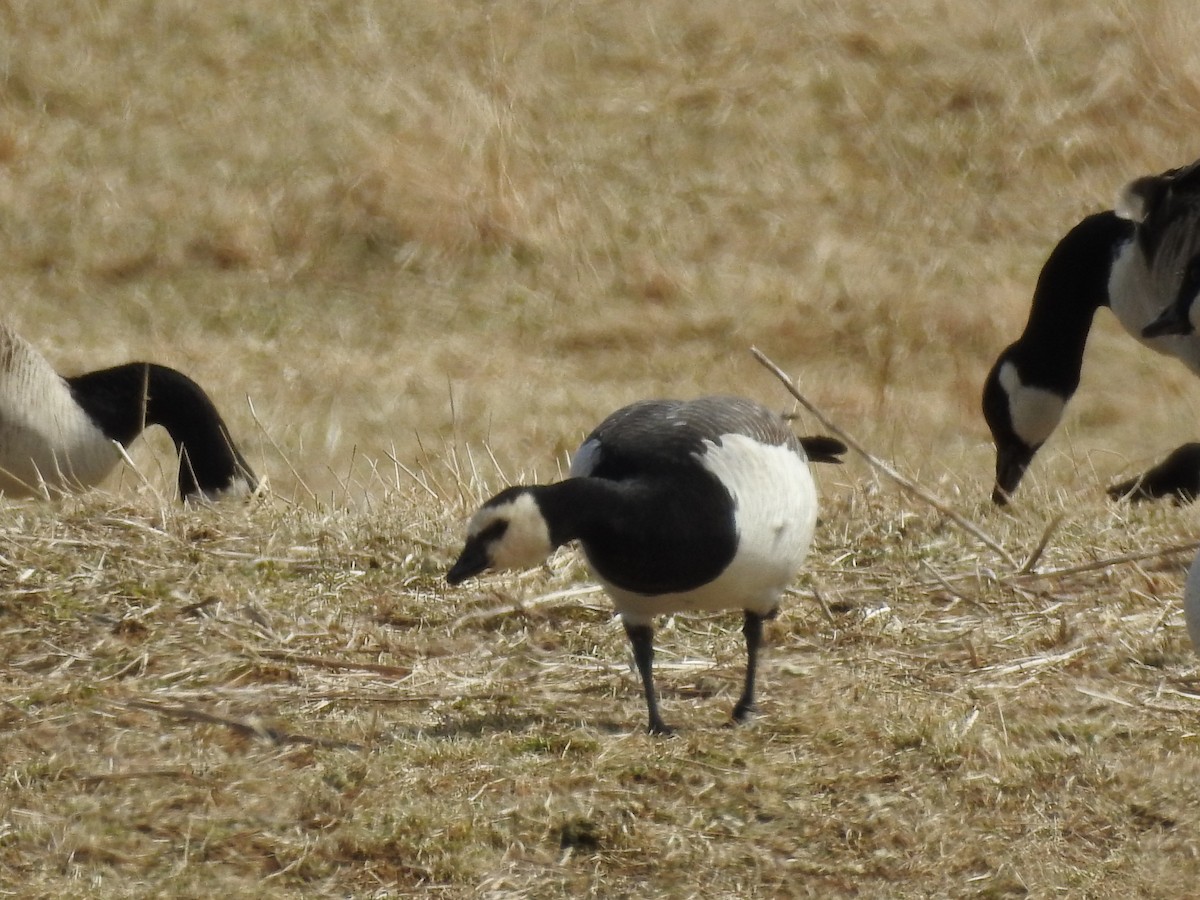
[(823, 449)]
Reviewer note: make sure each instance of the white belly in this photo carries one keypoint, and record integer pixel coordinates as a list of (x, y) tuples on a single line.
[(775, 503), (29, 460)]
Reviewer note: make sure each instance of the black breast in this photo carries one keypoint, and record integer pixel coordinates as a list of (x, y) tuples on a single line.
[(670, 534), (673, 528)]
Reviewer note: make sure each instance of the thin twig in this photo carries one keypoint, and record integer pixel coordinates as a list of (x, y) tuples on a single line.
[(287, 461), (945, 582), (246, 728), (142, 478), (1041, 545), (824, 606), (512, 609), (426, 469), (875, 462), (172, 774), (327, 662), (1103, 563), (418, 480), (1030, 663)]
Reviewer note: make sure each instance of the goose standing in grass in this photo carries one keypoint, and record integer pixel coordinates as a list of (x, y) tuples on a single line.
[(57, 434), (679, 505), (1138, 259)]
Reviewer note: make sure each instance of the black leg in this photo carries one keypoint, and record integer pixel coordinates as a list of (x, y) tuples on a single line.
[(752, 628), (641, 637)]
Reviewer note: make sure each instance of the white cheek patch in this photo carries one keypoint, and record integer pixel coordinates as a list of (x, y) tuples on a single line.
[(525, 543), (1035, 412)]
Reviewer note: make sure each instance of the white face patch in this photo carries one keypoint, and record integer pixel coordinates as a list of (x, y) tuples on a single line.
[(1035, 412), (525, 542)]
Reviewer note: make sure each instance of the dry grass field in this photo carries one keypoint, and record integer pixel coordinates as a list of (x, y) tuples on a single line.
[(415, 251)]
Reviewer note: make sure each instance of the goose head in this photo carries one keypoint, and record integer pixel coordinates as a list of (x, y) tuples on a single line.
[(1021, 416), (508, 532)]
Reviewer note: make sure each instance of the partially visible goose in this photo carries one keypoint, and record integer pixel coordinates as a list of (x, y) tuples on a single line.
[(57, 434), (1191, 603), (679, 505), (1137, 259)]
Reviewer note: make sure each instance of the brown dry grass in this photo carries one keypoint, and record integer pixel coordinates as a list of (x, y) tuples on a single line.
[(433, 244)]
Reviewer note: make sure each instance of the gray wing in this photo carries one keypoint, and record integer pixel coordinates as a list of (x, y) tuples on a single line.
[(656, 434)]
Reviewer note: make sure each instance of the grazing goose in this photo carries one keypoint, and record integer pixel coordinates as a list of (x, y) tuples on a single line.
[(679, 505), (57, 434), (1137, 260)]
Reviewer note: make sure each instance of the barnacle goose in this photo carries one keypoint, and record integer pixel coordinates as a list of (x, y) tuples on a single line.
[(705, 504), (57, 434), (1138, 259), (1191, 603)]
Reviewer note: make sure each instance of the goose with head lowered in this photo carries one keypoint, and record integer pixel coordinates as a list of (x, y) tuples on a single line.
[(679, 506), (1140, 260), (58, 435)]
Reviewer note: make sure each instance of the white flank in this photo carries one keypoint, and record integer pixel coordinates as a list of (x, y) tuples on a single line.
[(775, 511), (1191, 603), (1035, 412), (1138, 293), (45, 438)]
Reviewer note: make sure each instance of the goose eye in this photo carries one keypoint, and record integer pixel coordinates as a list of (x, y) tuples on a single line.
[(493, 532)]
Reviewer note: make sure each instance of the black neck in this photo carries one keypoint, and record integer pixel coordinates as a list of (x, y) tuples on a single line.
[(124, 399), (1073, 284), (647, 535)]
